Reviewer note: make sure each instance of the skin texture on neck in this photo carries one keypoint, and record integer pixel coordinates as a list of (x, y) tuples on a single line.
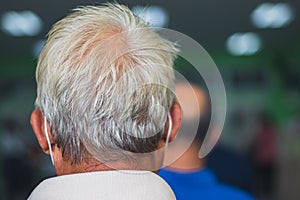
[(64, 167)]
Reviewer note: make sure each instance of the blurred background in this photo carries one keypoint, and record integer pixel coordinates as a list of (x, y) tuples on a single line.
[(256, 46)]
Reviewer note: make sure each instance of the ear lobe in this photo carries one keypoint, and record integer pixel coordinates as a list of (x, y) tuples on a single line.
[(176, 115), (37, 124)]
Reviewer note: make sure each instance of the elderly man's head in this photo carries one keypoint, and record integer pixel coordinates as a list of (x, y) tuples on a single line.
[(104, 86)]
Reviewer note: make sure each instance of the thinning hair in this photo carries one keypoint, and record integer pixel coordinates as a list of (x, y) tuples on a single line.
[(104, 82)]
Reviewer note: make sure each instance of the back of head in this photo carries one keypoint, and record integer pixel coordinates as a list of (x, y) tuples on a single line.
[(196, 111), (104, 82)]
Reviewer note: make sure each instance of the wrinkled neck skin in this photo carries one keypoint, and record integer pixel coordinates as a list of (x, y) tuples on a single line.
[(64, 167)]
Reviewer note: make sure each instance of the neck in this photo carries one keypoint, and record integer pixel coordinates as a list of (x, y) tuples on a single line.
[(93, 165), (140, 162), (189, 160), (66, 167)]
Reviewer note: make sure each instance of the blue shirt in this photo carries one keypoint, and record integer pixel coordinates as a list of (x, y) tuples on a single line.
[(201, 184)]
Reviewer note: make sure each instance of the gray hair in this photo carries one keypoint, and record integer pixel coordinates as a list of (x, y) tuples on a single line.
[(104, 82)]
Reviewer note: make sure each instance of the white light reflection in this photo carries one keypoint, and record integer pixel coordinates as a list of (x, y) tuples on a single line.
[(24, 23), (272, 15), (246, 44)]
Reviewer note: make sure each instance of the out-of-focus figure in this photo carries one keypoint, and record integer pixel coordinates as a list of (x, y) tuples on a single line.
[(189, 176), (265, 155)]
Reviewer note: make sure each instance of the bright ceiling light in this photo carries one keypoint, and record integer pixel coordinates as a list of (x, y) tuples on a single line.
[(24, 23), (272, 15), (243, 44), (156, 16)]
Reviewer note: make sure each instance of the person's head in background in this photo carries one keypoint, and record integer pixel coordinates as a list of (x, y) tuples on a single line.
[(196, 108), (104, 91), (188, 176)]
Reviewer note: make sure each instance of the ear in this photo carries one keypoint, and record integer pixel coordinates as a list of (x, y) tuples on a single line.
[(176, 115), (37, 124)]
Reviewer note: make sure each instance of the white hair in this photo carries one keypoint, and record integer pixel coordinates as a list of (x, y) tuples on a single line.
[(104, 82)]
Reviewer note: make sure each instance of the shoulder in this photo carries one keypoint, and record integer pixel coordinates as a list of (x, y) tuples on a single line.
[(108, 185)]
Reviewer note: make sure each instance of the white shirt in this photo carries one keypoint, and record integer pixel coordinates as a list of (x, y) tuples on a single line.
[(104, 185)]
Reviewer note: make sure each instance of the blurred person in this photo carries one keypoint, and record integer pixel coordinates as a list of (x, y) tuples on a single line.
[(189, 176), (105, 109), (265, 155)]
